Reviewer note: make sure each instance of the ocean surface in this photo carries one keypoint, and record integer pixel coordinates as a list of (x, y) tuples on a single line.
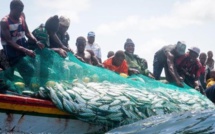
[(199, 122)]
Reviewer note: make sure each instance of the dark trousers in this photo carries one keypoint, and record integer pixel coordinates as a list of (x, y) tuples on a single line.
[(210, 93), (157, 67)]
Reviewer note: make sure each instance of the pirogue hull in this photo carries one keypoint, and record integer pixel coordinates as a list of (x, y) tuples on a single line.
[(28, 115)]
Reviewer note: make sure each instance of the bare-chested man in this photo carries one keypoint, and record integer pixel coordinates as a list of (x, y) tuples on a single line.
[(82, 53)]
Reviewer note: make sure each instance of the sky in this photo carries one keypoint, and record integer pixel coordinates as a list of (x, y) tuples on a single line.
[(151, 24)]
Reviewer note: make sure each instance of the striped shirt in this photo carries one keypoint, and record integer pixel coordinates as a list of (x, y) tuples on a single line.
[(17, 33)]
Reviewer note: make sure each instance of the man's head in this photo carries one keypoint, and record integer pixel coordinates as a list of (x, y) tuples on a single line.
[(202, 58), (118, 58), (80, 43), (129, 46), (212, 73), (64, 24), (16, 8), (194, 52), (210, 54), (91, 37), (110, 53), (52, 24), (180, 48)]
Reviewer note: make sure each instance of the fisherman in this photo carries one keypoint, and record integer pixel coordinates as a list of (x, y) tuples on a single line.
[(210, 88), (13, 31), (62, 35), (91, 45), (165, 58), (44, 32), (110, 54), (211, 80), (117, 63), (136, 65), (210, 60), (85, 55), (202, 78), (210, 93), (189, 67)]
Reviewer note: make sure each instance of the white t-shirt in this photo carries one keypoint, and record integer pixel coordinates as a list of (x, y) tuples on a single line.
[(95, 48)]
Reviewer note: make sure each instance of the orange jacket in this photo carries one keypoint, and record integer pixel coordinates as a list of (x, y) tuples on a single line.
[(123, 68)]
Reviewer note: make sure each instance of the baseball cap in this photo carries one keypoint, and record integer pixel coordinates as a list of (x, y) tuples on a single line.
[(195, 49), (91, 34), (64, 21), (180, 47)]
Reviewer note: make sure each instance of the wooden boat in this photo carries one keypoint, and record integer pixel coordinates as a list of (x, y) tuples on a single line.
[(20, 114)]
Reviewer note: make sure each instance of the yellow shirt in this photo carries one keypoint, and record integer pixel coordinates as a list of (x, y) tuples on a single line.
[(210, 82)]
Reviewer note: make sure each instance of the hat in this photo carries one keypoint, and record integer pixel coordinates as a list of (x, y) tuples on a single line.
[(91, 34), (180, 47), (195, 49), (64, 21), (128, 41)]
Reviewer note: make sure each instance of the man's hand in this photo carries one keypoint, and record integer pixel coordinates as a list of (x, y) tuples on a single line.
[(30, 53), (62, 53), (70, 50), (179, 83), (40, 45), (134, 71), (197, 88), (80, 58)]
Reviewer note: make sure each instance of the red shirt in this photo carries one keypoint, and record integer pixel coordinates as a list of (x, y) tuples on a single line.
[(194, 68), (123, 68)]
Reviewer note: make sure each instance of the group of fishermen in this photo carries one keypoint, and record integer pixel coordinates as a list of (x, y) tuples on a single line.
[(179, 66)]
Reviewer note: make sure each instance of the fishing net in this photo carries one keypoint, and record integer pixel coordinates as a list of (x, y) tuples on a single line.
[(99, 96)]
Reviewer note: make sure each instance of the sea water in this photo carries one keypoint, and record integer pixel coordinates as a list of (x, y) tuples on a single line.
[(199, 122)]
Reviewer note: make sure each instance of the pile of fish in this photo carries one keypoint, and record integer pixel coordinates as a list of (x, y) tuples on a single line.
[(112, 104)]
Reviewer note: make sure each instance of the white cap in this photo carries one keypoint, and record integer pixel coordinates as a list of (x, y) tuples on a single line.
[(64, 21), (195, 49), (91, 34)]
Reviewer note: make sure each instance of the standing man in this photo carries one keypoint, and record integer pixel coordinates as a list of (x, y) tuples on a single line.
[(91, 45), (13, 31), (202, 78), (189, 67), (210, 60), (166, 58)]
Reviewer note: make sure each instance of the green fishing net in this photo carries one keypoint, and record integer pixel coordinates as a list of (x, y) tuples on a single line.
[(97, 95)]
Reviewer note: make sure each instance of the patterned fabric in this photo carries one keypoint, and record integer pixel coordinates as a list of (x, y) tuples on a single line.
[(41, 34), (17, 32), (64, 38), (188, 67), (134, 61), (123, 68)]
